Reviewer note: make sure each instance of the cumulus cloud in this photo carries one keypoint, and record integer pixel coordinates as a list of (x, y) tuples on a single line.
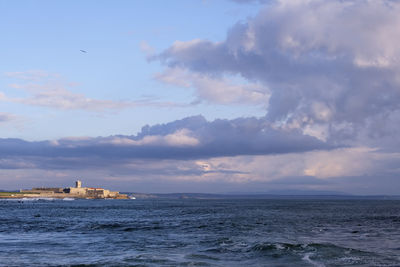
[(332, 67)]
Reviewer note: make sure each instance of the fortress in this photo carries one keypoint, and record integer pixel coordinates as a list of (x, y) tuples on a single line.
[(72, 192)]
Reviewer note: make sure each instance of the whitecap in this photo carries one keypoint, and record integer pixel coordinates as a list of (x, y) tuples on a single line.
[(38, 198), (307, 259)]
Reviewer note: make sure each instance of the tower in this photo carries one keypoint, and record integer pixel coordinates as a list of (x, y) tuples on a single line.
[(78, 184)]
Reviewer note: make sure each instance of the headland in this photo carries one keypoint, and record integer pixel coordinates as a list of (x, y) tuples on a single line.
[(69, 192)]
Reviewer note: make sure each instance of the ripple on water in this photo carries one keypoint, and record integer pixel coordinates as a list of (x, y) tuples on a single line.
[(202, 233)]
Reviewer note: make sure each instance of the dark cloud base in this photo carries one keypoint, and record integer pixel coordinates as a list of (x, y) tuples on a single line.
[(219, 138)]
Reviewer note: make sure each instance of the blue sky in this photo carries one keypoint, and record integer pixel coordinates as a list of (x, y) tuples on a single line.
[(201, 96), (47, 36)]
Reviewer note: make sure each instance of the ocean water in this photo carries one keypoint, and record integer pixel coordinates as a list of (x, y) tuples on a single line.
[(190, 232)]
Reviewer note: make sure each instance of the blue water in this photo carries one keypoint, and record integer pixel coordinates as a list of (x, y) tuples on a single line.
[(200, 233)]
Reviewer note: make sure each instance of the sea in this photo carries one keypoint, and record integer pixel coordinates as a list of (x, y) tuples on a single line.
[(200, 232)]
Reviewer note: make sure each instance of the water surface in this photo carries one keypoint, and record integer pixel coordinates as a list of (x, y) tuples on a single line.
[(191, 232)]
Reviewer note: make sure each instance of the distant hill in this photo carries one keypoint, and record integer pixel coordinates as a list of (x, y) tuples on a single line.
[(292, 193), (275, 195)]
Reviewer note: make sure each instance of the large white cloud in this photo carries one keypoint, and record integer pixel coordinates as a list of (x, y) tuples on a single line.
[(332, 67)]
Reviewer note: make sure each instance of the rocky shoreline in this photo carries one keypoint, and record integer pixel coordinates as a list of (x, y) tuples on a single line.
[(16, 195)]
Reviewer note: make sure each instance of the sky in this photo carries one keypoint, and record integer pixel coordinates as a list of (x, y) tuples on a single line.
[(250, 96)]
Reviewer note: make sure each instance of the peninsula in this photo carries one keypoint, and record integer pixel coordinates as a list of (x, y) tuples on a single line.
[(69, 192)]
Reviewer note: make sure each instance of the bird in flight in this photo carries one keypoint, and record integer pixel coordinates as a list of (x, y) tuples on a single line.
[(83, 51)]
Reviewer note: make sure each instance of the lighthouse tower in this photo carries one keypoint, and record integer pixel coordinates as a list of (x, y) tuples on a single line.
[(78, 184)]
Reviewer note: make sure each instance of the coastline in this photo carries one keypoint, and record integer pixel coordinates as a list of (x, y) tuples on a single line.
[(78, 192), (18, 195)]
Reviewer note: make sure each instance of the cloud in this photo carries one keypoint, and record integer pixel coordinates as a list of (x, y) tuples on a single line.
[(322, 165), (332, 67), (216, 90), (180, 138), (6, 117), (322, 170), (326, 72), (31, 75), (49, 90), (195, 154), (261, 173), (189, 138), (56, 96), (251, 1), (147, 48)]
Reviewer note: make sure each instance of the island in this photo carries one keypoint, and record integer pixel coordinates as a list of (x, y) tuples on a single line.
[(69, 192)]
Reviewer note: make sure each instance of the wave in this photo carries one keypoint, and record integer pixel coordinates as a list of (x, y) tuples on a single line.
[(318, 254), (394, 218), (10, 199), (307, 258), (124, 227), (29, 199), (39, 199), (298, 247)]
